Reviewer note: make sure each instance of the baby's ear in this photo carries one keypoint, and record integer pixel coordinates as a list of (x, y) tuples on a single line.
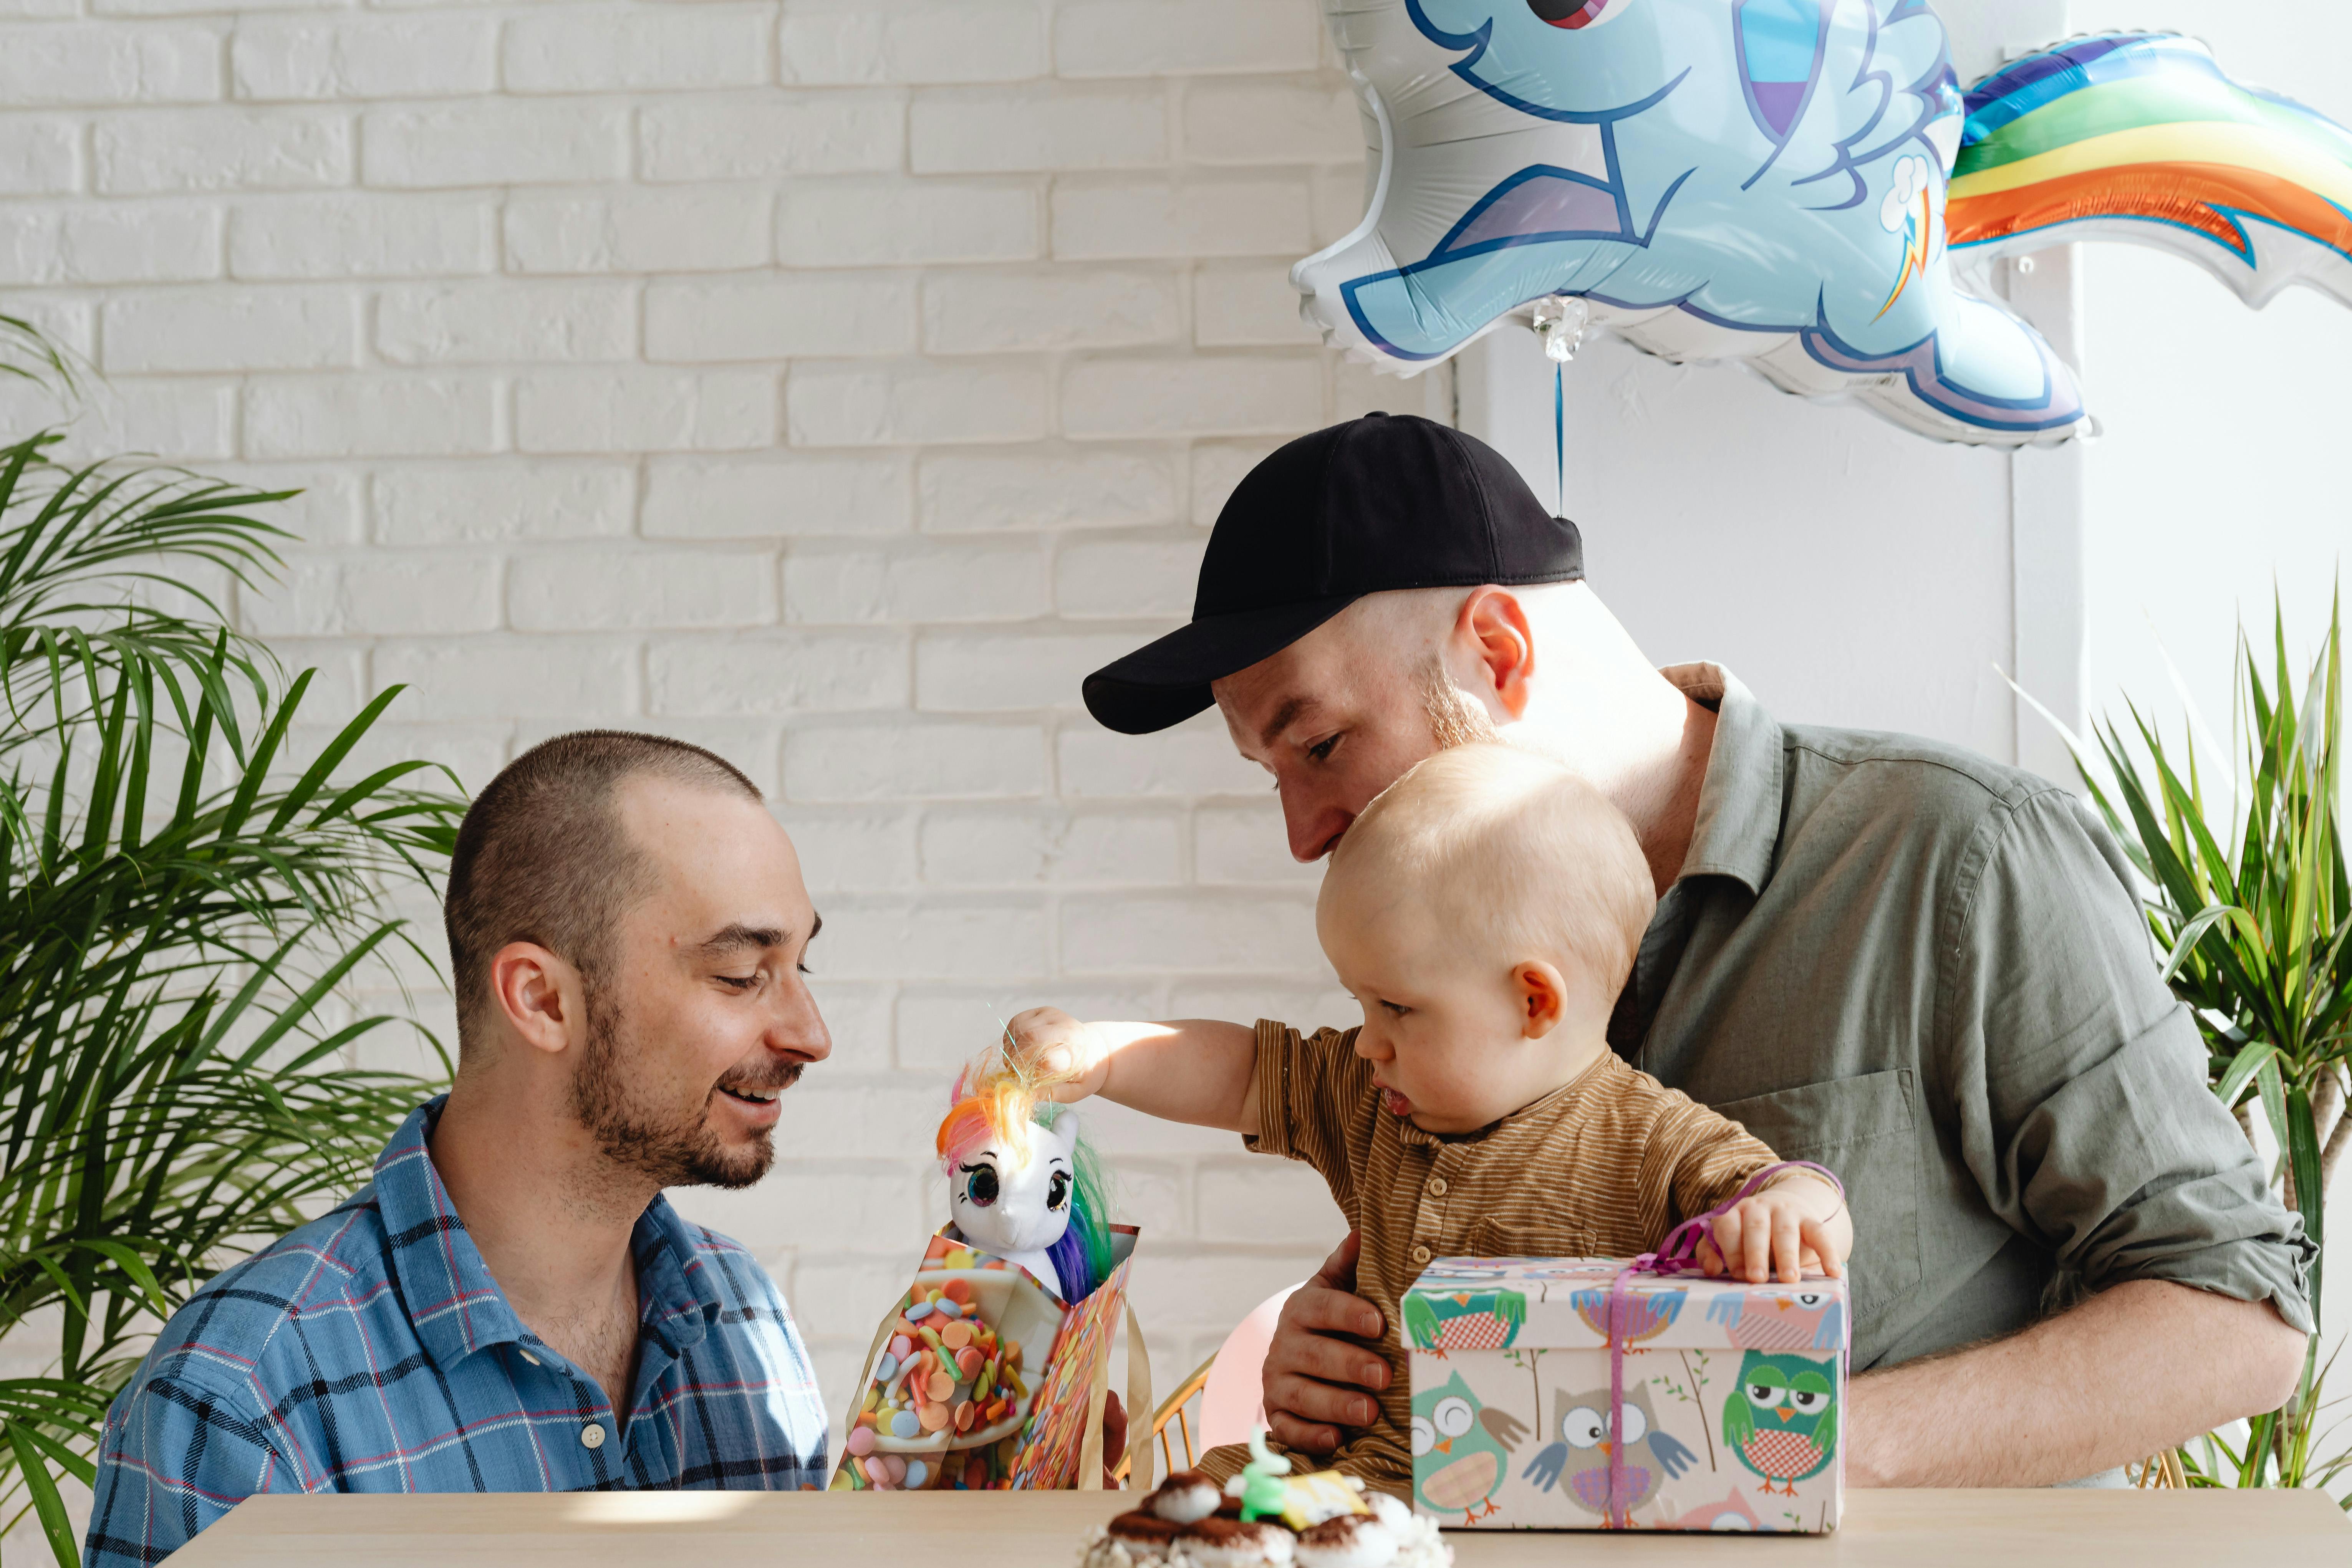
[(1542, 997)]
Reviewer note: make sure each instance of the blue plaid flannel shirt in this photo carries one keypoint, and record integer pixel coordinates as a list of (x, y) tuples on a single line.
[(371, 1351)]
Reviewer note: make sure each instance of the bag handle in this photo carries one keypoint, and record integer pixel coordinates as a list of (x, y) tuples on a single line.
[(1143, 1468)]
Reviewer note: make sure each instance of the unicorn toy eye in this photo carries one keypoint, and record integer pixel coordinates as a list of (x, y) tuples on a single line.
[(1057, 1191), (980, 1185)]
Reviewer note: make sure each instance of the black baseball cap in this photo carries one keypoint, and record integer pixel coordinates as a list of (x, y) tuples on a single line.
[(1382, 502)]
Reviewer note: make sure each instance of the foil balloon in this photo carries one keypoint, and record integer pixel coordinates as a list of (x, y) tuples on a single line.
[(1784, 183)]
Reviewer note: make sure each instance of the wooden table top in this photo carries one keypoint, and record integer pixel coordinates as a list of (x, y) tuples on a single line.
[(2068, 1529)]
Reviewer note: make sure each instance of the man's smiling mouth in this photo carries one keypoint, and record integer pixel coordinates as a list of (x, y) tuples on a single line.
[(763, 1093)]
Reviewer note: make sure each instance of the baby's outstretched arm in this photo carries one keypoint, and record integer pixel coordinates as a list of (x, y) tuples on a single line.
[(1189, 1069), (1796, 1221)]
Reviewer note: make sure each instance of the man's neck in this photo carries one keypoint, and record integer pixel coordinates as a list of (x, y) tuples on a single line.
[(551, 1216), (1653, 768), (1663, 803)]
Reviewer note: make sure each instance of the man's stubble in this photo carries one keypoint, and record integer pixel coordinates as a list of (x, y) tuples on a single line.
[(680, 1150)]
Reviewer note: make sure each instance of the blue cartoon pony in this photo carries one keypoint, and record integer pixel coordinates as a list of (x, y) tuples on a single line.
[(1768, 180)]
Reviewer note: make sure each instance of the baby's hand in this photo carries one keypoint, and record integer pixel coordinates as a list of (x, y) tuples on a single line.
[(1797, 1222), (1052, 1042)]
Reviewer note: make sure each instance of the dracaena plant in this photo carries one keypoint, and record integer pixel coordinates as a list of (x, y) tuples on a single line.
[(183, 907), (2252, 913)]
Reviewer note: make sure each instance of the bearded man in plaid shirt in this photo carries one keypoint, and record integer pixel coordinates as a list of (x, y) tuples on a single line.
[(511, 1305)]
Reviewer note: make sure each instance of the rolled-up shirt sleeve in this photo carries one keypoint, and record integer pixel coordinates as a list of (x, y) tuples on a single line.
[(2080, 1080)]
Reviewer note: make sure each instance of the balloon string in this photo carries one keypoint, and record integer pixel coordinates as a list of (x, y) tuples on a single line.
[(1560, 432)]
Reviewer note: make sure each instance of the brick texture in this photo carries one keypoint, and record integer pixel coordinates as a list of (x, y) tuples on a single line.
[(830, 382)]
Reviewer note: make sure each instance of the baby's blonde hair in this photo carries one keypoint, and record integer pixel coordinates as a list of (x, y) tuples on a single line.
[(1509, 851)]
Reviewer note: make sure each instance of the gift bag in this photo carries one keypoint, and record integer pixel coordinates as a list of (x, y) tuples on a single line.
[(980, 1378)]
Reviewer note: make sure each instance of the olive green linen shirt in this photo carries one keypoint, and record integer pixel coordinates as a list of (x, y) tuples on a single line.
[(1928, 972)]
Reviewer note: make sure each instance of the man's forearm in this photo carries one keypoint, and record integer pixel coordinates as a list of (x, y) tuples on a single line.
[(2136, 1368)]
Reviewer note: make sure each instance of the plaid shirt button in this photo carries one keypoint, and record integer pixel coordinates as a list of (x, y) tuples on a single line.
[(591, 1435)]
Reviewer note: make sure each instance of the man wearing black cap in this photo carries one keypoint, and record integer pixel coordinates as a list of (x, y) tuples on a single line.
[(1917, 966)]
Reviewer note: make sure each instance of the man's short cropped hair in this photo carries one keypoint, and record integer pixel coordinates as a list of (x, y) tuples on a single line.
[(542, 857), (1509, 850)]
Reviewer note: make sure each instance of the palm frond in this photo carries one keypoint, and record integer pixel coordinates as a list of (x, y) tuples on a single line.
[(181, 912)]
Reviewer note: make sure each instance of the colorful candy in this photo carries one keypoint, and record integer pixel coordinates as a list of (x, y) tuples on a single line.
[(905, 1424), (918, 1473), (860, 1442)]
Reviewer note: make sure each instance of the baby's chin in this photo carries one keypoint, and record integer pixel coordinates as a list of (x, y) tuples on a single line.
[(1421, 1115)]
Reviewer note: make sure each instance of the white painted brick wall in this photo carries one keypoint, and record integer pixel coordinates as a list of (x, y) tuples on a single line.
[(831, 382)]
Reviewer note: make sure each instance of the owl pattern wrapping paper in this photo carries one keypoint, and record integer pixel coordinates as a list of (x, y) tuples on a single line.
[(1734, 1395)]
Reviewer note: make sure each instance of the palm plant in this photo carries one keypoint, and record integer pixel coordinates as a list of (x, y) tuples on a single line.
[(2257, 939), (180, 909)]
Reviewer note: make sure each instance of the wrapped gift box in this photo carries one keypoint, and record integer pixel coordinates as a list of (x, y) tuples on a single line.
[(1733, 1396)]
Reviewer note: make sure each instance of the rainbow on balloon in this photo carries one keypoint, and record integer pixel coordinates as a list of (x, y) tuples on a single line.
[(2101, 137)]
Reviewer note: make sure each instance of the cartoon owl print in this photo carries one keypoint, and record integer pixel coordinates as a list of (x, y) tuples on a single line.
[(1732, 1513), (1461, 1450), (1579, 1457), (1782, 1419), (1780, 1320)]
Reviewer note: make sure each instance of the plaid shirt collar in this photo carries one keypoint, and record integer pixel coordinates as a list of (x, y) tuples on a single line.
[(457, 1307)]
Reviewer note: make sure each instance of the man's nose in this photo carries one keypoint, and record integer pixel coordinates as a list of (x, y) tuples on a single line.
[(1313, 826), (798, 1028)]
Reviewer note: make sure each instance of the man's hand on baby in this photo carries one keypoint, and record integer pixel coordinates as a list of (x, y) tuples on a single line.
[(1790, 1226), (1053, 1043)]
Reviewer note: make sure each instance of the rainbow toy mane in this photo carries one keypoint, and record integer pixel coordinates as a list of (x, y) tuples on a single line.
[(996, 1100), (2101, 137)]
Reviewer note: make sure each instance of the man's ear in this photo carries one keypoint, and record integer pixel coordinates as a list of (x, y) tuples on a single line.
[(1493, 624), (1542, 996), (539, 995)]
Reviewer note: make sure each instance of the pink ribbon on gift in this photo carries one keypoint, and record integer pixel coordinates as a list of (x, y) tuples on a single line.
[(1678, 1254)]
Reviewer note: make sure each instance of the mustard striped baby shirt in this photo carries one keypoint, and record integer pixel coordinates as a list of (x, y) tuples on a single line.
[(1603, 1166)]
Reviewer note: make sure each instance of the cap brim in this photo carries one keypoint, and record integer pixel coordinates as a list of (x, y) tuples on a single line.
[(1167, 683)]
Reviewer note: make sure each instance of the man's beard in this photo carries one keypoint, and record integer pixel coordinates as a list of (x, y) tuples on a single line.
[(680, 1153), (1453, 718)]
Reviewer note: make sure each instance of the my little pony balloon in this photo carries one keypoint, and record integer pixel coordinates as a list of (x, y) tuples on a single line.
[(1779, 181), (1022, 1182)]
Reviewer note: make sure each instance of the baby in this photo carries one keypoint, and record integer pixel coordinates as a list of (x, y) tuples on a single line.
[(1486, 911)]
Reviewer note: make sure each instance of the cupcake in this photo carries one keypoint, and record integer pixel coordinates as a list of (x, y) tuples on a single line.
[(1145, 1538), (1347, 1540), (1418, 1544), (1230, 1543), (1184, 1497)]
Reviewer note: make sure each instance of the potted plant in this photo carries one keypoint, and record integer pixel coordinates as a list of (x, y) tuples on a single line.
[(181, 905), (2248, 903)]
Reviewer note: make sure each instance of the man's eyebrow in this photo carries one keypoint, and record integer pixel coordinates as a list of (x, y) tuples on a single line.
[(739, 936), (1283, 717)]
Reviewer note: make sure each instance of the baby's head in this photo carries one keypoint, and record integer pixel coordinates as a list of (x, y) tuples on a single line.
[(1485, 911)]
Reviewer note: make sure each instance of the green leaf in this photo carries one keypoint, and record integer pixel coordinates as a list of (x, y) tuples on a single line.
[(2231, 1084), (47, 1503), (2204, 921), (2273, 1097)]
